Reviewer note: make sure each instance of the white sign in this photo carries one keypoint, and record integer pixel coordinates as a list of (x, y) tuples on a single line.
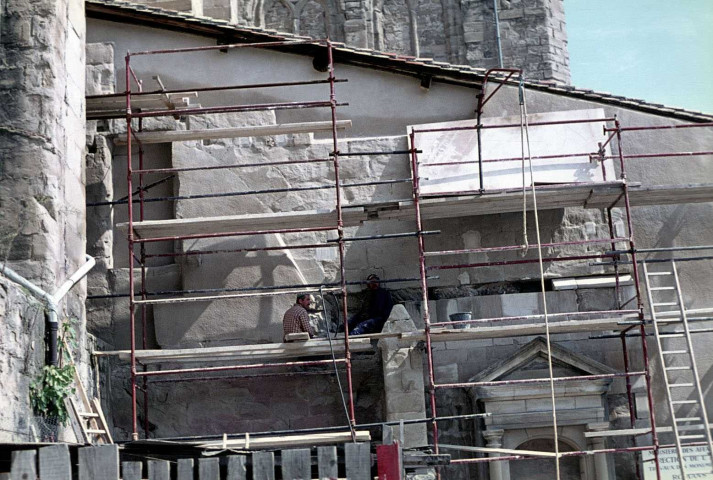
[(573, 142), (698, 464)]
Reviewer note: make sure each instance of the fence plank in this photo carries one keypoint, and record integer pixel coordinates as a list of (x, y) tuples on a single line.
[(296, 464), (55, 463), (358, 460), (184, 470), (159, 470), (209, 469), (263, 466), (23, 465), (327, 463), (99, 463), (131, 470), (236, 468)]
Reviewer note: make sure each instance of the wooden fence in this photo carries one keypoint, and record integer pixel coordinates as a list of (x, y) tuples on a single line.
[(102, 463)]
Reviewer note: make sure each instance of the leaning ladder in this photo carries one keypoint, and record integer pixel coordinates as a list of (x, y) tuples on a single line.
[(88, 419), (680, 372)]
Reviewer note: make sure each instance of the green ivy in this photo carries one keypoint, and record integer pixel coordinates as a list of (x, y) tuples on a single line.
[(48, 391), (54, 384)]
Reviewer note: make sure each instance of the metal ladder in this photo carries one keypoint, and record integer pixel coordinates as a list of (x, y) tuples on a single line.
[(680, 372)]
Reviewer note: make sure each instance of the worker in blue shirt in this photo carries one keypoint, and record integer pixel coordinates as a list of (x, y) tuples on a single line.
[(375, 311)]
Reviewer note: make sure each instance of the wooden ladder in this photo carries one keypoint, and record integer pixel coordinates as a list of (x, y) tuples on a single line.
[(92, 427), (680, 372)]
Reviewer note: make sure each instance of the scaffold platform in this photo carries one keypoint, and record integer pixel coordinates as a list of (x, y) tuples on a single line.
[(599, 195)]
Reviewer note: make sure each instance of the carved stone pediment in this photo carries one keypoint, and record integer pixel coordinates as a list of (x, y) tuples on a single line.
[(531, 362), (525, 404)]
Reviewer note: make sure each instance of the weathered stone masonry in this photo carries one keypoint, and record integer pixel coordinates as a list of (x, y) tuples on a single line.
[(42, 226), (533, 33)]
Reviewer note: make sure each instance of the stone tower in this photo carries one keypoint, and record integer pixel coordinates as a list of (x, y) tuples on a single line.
[(42, 201), (533, 33)]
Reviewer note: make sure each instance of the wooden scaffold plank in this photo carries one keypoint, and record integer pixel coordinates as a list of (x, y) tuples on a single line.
[(327, 465), (99, 463), (243, 223), (587, 196), (159, 470), (169, 136), (55, 462), (358, 460), (266, 351), (150, 100), (184, 469), (314, 439), (132, 470), (23, 465), (208, 469), (263, 466), (237, 467), (296, 464)]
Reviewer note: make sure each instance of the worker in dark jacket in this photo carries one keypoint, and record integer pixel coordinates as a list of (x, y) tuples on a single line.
[(376, 310)]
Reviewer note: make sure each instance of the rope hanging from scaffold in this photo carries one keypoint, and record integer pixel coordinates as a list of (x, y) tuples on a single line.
[(521, 95), (525, 139)]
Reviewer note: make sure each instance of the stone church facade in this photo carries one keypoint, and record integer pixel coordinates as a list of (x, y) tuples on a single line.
[(533, 34)]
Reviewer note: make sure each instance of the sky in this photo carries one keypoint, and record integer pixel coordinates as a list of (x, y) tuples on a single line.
[(660, 51)]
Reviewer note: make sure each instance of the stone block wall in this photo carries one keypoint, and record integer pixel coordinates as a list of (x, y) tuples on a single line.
[(247, 320), (100, 188), (42, 200), (263, 401), (21, 359), (533, 33), (533, 37), (42, 139)]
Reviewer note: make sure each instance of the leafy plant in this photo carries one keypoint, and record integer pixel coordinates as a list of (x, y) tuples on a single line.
[(48, 391), (54, 384)]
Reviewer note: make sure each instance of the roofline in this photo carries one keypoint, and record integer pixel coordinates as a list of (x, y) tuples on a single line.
[(462, 75)]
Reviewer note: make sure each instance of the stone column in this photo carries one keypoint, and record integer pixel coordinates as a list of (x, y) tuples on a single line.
[(601, 467), (494, 439), (357, 23), (234, 12), (197, 8), (99, 188), (403, 378)]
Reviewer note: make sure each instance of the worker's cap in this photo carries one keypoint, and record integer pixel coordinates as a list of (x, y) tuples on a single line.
[(373, 278)]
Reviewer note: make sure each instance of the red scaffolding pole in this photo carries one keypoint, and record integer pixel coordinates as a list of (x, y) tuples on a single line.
[(502, 77), (615, 135), (141, 171)]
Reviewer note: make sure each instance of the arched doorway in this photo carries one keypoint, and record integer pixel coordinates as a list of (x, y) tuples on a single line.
[(544, 468)]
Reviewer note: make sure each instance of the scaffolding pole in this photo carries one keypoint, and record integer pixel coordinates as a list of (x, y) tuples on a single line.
[(141, 259)]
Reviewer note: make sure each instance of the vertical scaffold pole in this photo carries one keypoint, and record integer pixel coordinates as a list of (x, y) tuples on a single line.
[(130, 237), (479, 128), (629, 392), (617, 284), (340, 231), (424, 286), (639, 301), (144, 380)]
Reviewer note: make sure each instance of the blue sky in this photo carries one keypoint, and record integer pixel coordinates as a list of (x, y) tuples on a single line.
[(660, 51)]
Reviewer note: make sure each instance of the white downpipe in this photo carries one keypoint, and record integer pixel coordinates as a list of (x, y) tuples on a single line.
[(74, 279), (51, 301)]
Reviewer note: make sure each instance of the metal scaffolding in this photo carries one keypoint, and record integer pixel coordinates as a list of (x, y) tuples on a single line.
[(614, 130), (141, 373), (628, 320)]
